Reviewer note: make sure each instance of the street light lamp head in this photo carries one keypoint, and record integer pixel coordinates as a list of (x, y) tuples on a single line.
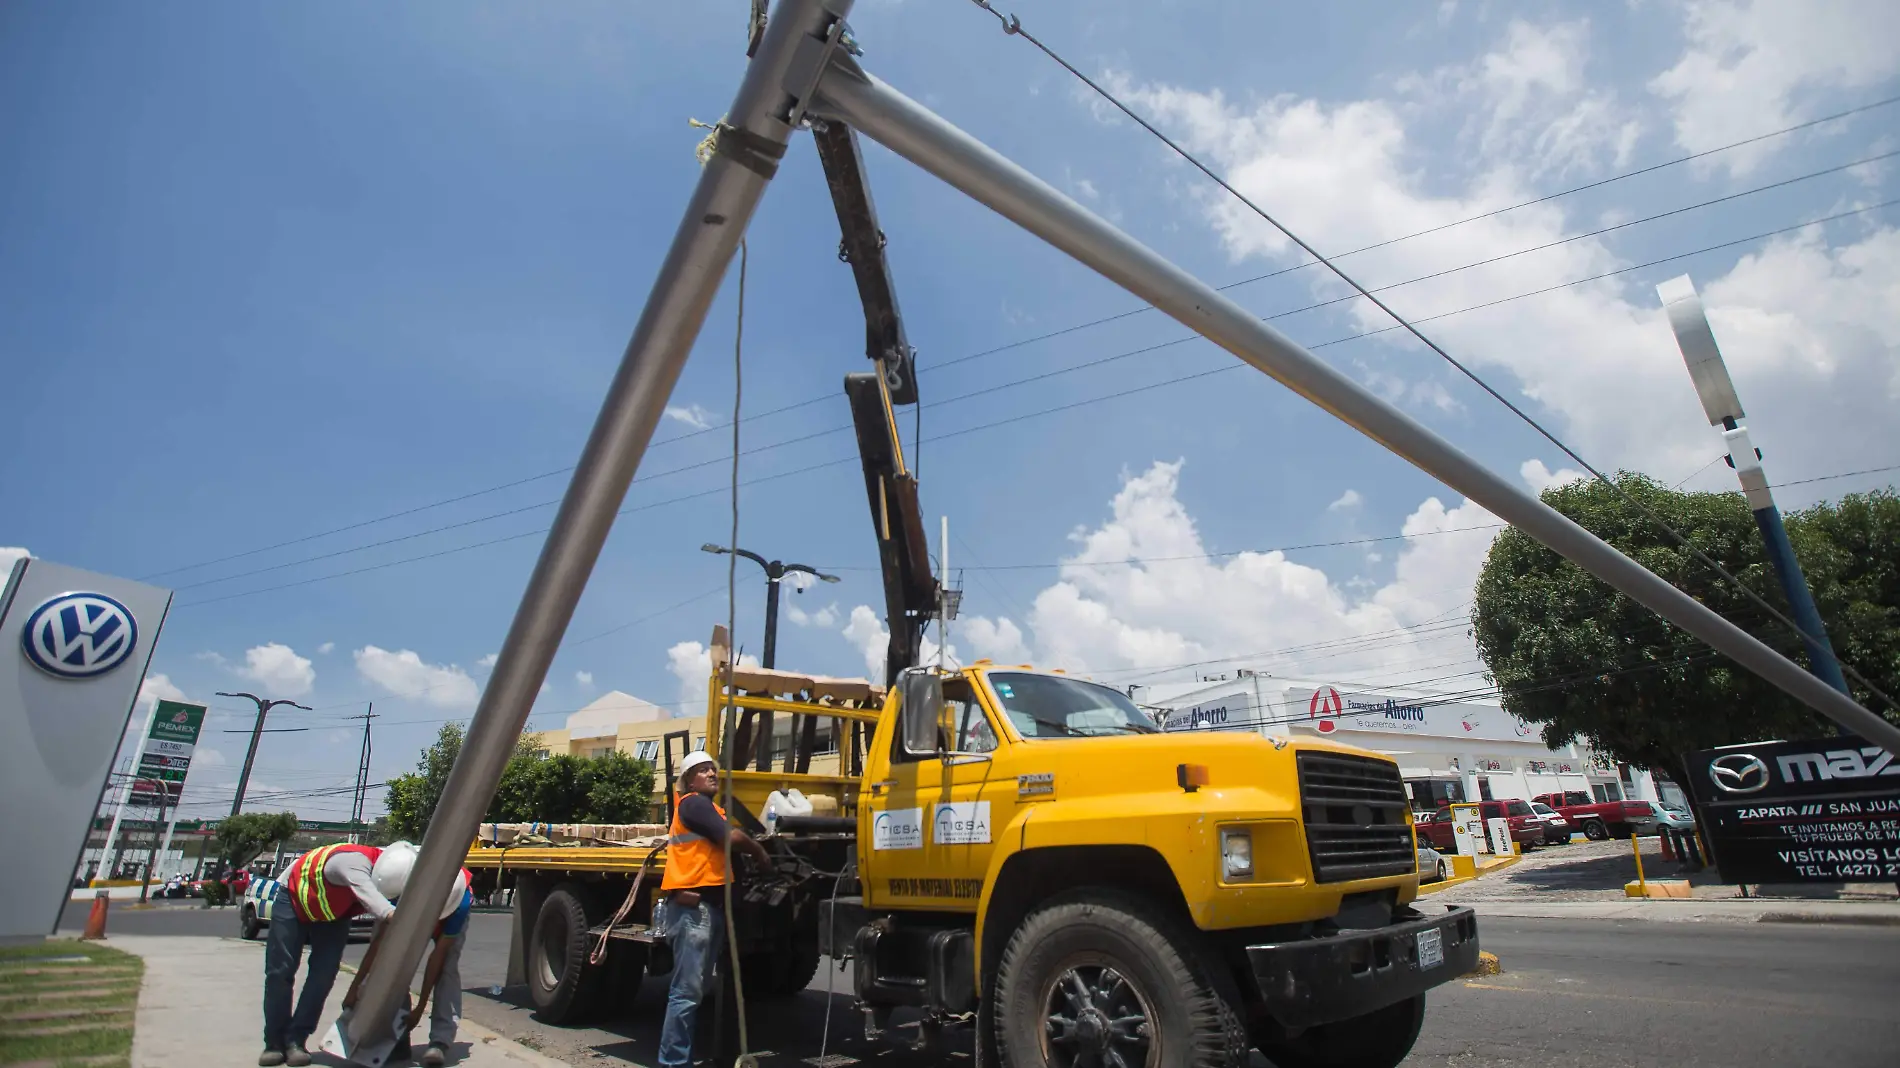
[(709, 547), (829, 578)]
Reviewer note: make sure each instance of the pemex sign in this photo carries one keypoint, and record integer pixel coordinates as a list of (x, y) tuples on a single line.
[(167, 753)]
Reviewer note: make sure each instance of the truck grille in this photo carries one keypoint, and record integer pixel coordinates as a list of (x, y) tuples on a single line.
[(1354, 812)]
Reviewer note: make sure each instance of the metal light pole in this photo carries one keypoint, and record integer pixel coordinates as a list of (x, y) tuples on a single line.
[(151, 858), (257, 732), (780, 79), (775, 572), (1717, 393)]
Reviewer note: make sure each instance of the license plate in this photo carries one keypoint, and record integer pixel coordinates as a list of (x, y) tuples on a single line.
[(1431, 949)]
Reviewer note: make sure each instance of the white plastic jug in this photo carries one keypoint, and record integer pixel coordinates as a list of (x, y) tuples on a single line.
[(788, 803)]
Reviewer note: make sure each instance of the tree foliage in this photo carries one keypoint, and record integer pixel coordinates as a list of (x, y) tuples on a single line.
[(613, 788), (1586, 662), (243, 836)]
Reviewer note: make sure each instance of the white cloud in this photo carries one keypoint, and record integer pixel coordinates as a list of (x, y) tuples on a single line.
[(692, 415), (1348, 499), (866, 631), (205, 756), (585, 679), (1760, 65), (326, 648), (156, 688), (1805, 324), (691, 664), (278, 669), (1108, 614), (1540, 478), (404, 674), (488, 661), (824, 617), (8, 554)]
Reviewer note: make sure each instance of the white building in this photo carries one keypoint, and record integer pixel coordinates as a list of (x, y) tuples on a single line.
[(1448, 747)]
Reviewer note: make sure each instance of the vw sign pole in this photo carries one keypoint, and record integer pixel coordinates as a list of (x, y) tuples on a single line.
[(73, 649), (1717, 392)]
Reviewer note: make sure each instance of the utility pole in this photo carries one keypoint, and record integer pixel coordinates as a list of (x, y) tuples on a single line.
[(775, 572), (1717, 392), (257, 732), (151, 858), (362, 774)]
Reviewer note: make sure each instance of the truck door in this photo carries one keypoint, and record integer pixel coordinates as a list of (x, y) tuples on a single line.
[(933, 822)]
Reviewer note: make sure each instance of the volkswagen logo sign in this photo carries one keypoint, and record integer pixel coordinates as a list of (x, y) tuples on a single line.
[(1738, 773), (79, 635)]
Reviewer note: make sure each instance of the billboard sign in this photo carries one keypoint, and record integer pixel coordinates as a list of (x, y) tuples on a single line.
[(1231, 712), (167, 753), (1820, 811), (1328, 709)]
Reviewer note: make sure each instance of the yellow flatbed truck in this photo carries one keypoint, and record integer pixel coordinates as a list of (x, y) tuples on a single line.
[(1029, 848)]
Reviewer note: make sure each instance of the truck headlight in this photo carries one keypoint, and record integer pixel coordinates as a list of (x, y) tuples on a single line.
[(1236, 853)]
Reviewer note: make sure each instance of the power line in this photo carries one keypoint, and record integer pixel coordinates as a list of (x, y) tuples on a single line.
[(1008, 23), (1014, 27)]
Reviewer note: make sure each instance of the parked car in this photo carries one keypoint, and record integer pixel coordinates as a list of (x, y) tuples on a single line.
[(254, 914), (1432, 867), (1674, 819), (1602, 819), (1556, 828), (1526, 829)]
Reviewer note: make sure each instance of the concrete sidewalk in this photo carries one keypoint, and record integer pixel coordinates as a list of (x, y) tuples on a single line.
[(202, 1004), (1690, 910)]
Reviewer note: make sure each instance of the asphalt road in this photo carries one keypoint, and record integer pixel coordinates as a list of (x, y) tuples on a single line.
[(1590, 994)]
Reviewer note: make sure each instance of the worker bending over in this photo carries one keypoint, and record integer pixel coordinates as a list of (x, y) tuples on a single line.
[(312, 907), (691, 913)]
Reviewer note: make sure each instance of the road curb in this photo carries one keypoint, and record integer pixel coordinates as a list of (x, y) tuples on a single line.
[(1813, 917)]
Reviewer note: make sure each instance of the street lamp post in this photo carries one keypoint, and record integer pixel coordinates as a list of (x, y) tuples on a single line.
[(257, 732), (151, 858), (1717, 393), (775, 572)]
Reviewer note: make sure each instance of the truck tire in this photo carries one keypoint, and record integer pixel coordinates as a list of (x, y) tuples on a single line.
[(1102, 972), (248, 927), (1595, 831), (1379, 1039), (560, 981)]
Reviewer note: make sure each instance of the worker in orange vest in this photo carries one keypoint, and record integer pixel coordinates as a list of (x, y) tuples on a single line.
[(691, 914), (312, 906)]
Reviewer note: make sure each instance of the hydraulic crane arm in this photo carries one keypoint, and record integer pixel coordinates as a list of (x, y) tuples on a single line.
[(911, 595)]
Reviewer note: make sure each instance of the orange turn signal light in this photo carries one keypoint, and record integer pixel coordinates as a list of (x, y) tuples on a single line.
[(1191, 776)]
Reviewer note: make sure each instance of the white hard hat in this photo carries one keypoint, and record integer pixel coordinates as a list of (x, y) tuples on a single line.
[(694, 759), (391, 871), (455, 895)]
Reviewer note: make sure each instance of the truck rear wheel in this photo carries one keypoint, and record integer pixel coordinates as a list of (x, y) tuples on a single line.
[(1099, 979), (1379, 1039), (560, 981), (1595, 831)]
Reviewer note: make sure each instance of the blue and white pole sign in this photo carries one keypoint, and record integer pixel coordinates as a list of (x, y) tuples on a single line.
[(74, 646)]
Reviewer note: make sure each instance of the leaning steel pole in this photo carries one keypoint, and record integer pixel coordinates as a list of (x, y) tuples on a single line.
[(912, 131), (747, 146)]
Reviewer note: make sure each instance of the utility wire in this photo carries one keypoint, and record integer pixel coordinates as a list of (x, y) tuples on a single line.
[(1836, 116), (1013, 26)]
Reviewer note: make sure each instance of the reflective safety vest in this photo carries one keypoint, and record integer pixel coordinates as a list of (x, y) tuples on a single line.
[(315, 900), (692, 860)]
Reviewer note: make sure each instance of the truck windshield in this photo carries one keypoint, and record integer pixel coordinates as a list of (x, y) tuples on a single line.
[(1048, 706)]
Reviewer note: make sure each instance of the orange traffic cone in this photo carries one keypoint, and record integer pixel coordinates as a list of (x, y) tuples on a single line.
[(96, 919)]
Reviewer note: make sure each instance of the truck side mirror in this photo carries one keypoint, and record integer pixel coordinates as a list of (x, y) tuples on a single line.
[(922, 693)]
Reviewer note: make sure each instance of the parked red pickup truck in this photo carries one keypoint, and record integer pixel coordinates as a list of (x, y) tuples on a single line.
[(1602, 819), (1527, 828)]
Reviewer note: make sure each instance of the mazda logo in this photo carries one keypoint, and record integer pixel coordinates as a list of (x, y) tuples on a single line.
[(1738, 773), (79, 635)]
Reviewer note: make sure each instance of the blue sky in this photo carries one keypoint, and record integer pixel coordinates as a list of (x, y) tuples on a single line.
[(266, 272)]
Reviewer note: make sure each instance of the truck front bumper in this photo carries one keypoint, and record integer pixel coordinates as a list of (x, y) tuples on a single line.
[(1315, 981)]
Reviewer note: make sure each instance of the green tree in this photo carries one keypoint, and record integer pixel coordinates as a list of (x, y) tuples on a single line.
[(243, 836), (411, 799), (1586, 662)]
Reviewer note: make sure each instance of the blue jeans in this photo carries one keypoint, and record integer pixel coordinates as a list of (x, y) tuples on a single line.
[(698, 937), (283, 951)]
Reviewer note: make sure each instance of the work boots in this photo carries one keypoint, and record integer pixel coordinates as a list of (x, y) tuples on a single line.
[(271, 1058), (296, 1056)]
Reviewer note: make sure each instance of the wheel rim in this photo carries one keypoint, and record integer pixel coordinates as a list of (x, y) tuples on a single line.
[(551, 961), (1093, 1016)]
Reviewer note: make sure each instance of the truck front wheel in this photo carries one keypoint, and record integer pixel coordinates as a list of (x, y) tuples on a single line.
[(1379, 1039), (1100, 979)]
